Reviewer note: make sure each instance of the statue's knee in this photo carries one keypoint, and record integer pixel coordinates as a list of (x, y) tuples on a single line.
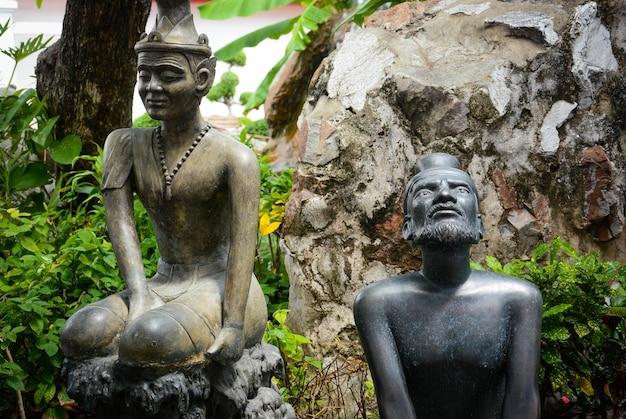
[(156, 338), (91, 332)]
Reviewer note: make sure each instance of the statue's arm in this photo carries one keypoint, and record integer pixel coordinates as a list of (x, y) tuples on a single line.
[(383, 358), (118, 202), (244, 190), (522, 394)]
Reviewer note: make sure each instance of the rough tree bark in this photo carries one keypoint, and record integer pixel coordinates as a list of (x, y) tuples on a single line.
[(89, 75)]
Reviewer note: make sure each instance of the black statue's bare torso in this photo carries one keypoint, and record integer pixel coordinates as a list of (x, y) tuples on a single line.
[(452, 343)]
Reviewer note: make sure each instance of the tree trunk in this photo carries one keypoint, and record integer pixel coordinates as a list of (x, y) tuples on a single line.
[(89, 74)]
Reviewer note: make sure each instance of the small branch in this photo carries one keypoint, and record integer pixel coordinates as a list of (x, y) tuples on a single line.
[(20, 401)]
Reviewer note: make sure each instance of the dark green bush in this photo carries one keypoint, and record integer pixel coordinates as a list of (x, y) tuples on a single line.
[(583, 340), (51, 263)]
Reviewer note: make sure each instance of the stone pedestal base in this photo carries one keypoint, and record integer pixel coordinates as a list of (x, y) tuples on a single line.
[(241, 390)]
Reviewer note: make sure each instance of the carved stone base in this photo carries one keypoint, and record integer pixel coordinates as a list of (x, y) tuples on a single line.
[(241, 390)]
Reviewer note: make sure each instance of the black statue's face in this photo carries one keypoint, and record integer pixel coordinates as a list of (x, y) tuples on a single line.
[(443, 210), (166, 85)]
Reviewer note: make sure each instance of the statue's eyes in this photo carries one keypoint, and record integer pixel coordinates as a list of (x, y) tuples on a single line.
[(423, 192), (170, 76), (144, 76), (463, 190)]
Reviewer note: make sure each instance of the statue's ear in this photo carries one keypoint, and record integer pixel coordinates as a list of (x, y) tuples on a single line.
[(205, 75), (408, 230)]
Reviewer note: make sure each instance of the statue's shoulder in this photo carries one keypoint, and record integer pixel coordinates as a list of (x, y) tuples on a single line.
[(123, 138), (119, 154), (515, 289), (232, 151), (389, 289)]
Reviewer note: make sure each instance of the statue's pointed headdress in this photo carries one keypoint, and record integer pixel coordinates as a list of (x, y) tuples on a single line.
[(174, 31)]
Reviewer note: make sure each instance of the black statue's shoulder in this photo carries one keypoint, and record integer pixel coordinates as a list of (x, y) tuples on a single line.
[(505, 285), (388, 287)]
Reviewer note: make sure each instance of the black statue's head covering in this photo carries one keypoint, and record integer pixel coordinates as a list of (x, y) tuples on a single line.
[(174, 31), (436, 165)]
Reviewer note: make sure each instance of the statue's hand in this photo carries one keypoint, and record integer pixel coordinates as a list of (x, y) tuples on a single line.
[(228, 346), (141, 303)]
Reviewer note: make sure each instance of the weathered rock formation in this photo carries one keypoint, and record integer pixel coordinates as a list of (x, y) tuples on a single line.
[(530, 95)]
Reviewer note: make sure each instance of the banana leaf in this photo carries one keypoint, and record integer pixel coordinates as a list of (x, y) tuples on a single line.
[(226, 9)]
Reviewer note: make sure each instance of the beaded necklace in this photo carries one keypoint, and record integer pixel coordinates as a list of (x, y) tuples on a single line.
[(169, 177)]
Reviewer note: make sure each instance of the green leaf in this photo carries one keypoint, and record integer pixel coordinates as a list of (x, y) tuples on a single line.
[(557, 333), (32, 175), (259, 96), (29, 244), (50, 348), (581, 330), (36, 324), (226, 9), (476, 266), (27, 48), (551, 356), (15, 383), (21, 101), (540, 251), (85, 236), (42, 135), (619, 311), (364, 10), (493, 264), (66, 150), (281, 316), (254, 38), (556, 310), (5, 27)]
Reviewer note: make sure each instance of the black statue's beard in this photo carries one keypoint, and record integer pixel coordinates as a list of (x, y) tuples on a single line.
[(445, 233)]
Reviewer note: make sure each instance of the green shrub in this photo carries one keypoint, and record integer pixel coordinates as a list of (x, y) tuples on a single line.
[(299, 368), (26, 135), (269, 267), (583, 341), (144, 121), (51, 263)]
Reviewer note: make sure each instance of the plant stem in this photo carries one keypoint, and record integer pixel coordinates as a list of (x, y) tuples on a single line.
[(20, 402), (6, 91)]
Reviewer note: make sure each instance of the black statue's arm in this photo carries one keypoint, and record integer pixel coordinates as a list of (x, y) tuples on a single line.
[(522, 395), (382, 356)]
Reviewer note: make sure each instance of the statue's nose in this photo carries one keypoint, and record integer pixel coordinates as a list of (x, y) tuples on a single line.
[(444, 193), (155, 84)]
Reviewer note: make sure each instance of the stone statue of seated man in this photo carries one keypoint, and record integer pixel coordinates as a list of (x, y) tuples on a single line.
[(201, 191), (448, 341)]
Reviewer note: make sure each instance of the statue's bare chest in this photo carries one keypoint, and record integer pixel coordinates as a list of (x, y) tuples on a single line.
[(198, 180), (441, 333)]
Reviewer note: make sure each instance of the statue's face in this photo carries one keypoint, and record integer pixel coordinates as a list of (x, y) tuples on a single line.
[(443, 209), (166, 85)]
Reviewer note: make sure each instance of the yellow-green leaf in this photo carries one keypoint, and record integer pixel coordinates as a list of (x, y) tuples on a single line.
[(586, 387)]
